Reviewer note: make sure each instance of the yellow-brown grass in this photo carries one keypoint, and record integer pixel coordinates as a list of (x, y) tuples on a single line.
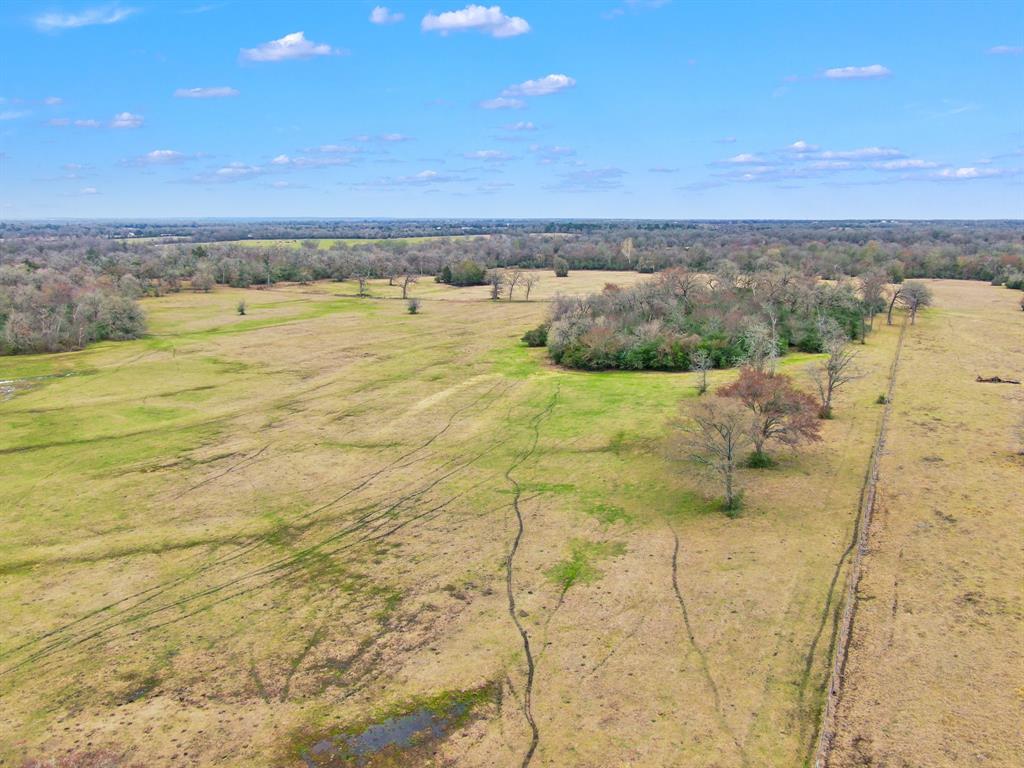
[(935, 675), (227, 541)]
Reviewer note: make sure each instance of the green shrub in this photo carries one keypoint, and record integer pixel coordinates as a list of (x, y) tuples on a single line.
[(537, 337)]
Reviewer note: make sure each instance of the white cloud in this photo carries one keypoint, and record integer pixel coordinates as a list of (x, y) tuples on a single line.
[(502, 103), (491, 155), (744, 158), (281, 160), (215, 92), (904, 165), (491, 21), (394, 137), (800, 146), (1006, 50), (848, 73), (662, 169), (126, 120), (961, 174), (293, 46), (62, 122), (88, 191), (160, 157), (381, 15), (49, 22), (864, 153), (590, 180), (542, 87), (53, 101), (337, 149), (726, 140), (522, 125), (237, 172), (14, 114)]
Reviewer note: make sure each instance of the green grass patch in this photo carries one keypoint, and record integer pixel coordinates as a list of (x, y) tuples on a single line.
[(580, 567)]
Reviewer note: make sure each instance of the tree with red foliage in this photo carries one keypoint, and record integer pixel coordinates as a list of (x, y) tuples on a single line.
[(781, 411)]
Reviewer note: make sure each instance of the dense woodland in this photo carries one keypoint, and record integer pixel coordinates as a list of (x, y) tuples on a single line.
[(63, 285)]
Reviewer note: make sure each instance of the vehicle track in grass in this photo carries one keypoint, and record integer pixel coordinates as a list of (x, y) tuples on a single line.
[(282, 568), (117, 612), (518, 460)]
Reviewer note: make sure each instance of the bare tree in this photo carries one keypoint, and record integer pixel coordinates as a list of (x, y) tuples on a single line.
[(495, 279), (835, 371), (915, 296), (716, 436), (361, 278), (512, 278), (701, 362), (897, 292), (872, 293), (408, 278), (781, 412), (762, 347), (530, 280)]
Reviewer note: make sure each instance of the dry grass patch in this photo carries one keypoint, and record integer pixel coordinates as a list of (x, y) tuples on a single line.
[(238, 530)]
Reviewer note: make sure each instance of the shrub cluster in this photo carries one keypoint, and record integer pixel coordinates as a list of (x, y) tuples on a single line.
[(46, 311), (659, 324)]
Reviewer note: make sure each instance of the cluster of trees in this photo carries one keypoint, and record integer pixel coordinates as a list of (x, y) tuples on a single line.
[(682, 320), (970, 250), (761, 408), (43, 310)]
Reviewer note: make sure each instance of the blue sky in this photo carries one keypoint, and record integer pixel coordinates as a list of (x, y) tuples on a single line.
[(645, 109)]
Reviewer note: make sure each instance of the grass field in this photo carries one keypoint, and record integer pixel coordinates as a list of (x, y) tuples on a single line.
[(325, 243), (935, 675), (285, 538)]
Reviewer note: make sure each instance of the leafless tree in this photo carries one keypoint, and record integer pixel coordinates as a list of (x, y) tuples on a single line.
[(408, 278), (717, 435), (915, 296), (701, 362), (530, 280), (897, 292), (872, 293), (781, 412), (762, 347), (512, 278), (495, 279), (835, 371)]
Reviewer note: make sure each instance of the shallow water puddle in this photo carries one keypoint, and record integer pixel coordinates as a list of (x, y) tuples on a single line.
[(393, 733)]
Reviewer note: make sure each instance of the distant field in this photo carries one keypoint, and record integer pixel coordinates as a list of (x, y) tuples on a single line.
[(254, 541), (326, 243)]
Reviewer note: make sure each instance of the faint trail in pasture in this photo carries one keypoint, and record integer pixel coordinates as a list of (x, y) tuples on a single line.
[(824, 734), (282, 568), (521, 457), (704, 666), (117, 613), (248, 460)]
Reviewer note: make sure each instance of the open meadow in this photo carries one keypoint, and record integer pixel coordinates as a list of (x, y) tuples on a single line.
[(331, 531)]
